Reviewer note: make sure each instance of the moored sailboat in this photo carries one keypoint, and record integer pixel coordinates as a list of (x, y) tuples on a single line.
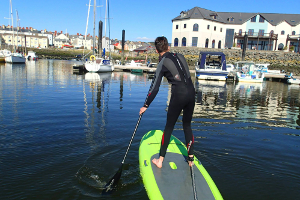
[(96, 62), (15, 57)]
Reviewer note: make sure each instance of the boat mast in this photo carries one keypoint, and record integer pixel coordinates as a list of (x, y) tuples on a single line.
[(12, 25), (87, 23), (94, 27), (17, 27), (107, 21)]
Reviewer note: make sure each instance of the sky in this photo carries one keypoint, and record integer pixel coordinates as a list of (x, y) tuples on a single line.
[(142, 20)]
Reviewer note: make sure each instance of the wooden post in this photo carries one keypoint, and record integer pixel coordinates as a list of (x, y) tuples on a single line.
[(123, 43), (244, 46)]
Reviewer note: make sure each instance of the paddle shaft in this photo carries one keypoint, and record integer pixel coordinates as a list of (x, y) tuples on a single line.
[(192, 173), (136, 126), (193, 181)]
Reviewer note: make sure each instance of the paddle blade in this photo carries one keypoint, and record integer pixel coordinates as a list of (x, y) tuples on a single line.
[(114, 180)]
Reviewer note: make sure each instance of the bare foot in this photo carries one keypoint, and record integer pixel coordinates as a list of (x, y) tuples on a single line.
[(158, 162)]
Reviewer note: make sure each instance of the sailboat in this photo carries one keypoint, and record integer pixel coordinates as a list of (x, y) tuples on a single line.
[(96, 62), (14, 57)]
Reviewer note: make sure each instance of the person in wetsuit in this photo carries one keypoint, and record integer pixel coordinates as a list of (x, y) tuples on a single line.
[(174, 67)]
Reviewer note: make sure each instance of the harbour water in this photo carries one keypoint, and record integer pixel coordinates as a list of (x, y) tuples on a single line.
[(63, 135)]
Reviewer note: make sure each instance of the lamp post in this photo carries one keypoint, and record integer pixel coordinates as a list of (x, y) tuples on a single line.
[(298, 44)]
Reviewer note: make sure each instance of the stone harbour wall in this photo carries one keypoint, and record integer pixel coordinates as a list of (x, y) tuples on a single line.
[(287, 61)]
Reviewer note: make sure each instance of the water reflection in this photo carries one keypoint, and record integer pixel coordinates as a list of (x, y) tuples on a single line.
[(99, 87), (274, 102)]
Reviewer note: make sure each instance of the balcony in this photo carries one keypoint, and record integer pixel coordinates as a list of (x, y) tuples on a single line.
[(255, 35)]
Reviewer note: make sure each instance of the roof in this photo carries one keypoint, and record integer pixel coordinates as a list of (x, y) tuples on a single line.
[(144, 48), (239, 17)]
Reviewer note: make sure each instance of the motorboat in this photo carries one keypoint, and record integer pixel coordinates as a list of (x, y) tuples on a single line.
[(31, 56), (246, 72), (263, 68), (291, 80), (211, 66), (3, 54)]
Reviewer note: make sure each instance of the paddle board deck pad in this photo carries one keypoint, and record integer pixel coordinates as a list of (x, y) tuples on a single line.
[(173, 180)]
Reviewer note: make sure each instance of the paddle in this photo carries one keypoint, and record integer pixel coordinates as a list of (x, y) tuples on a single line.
[(192, 173), (114, 180), (193, 182)]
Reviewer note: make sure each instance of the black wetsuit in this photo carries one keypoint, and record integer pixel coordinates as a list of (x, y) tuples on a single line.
[(175, 69)]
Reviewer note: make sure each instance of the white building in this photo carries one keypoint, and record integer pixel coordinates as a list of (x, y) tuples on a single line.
[(32, 37), (265, 31)]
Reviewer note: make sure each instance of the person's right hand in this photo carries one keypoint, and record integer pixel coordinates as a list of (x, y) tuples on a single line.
[(142, 110)]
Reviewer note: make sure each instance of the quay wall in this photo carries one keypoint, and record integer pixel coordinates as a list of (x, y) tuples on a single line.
[(280, 60)]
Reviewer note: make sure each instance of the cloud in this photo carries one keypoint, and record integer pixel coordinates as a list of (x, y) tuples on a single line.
[(145, 39)]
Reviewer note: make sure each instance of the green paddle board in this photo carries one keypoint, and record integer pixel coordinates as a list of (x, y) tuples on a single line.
[(173, 180)]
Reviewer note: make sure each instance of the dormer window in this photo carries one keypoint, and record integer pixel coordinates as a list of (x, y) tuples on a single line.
[(183, 14), (213, 15), (253, 19), (261, 19), (230, 19)]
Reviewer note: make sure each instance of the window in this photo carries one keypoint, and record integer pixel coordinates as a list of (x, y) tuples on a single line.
[(215, 28), (208, 27), (230, 19), (219, 44), (184, 42), (176, 42), (195, 27), (194, 41), (253, 19), (206, 43), (294, 33), (250, 32), (184, 26), (240, 32), (176, 26), (213, 44), (221, 29), (282, 32), (261, 32), (214, 16), (261, 19)]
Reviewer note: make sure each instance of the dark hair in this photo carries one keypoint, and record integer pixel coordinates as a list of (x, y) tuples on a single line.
[(161, 44)]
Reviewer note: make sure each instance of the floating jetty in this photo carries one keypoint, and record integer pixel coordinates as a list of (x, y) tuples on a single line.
[(133, 68)]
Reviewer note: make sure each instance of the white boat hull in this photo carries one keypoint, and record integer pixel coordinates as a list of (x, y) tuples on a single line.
[(218, 75), (250, 78), (15, 59), (293, 81), (93, 66)]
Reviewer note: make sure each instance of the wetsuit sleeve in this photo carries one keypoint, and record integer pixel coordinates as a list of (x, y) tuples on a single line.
[(154, 88)]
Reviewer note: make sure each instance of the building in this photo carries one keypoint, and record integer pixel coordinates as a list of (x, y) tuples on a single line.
[(28, 35), (209, 29)]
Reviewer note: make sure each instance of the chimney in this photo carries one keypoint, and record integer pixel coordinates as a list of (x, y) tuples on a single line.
[(31, 29), (61, 32), (26, 28), (77, 34)]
